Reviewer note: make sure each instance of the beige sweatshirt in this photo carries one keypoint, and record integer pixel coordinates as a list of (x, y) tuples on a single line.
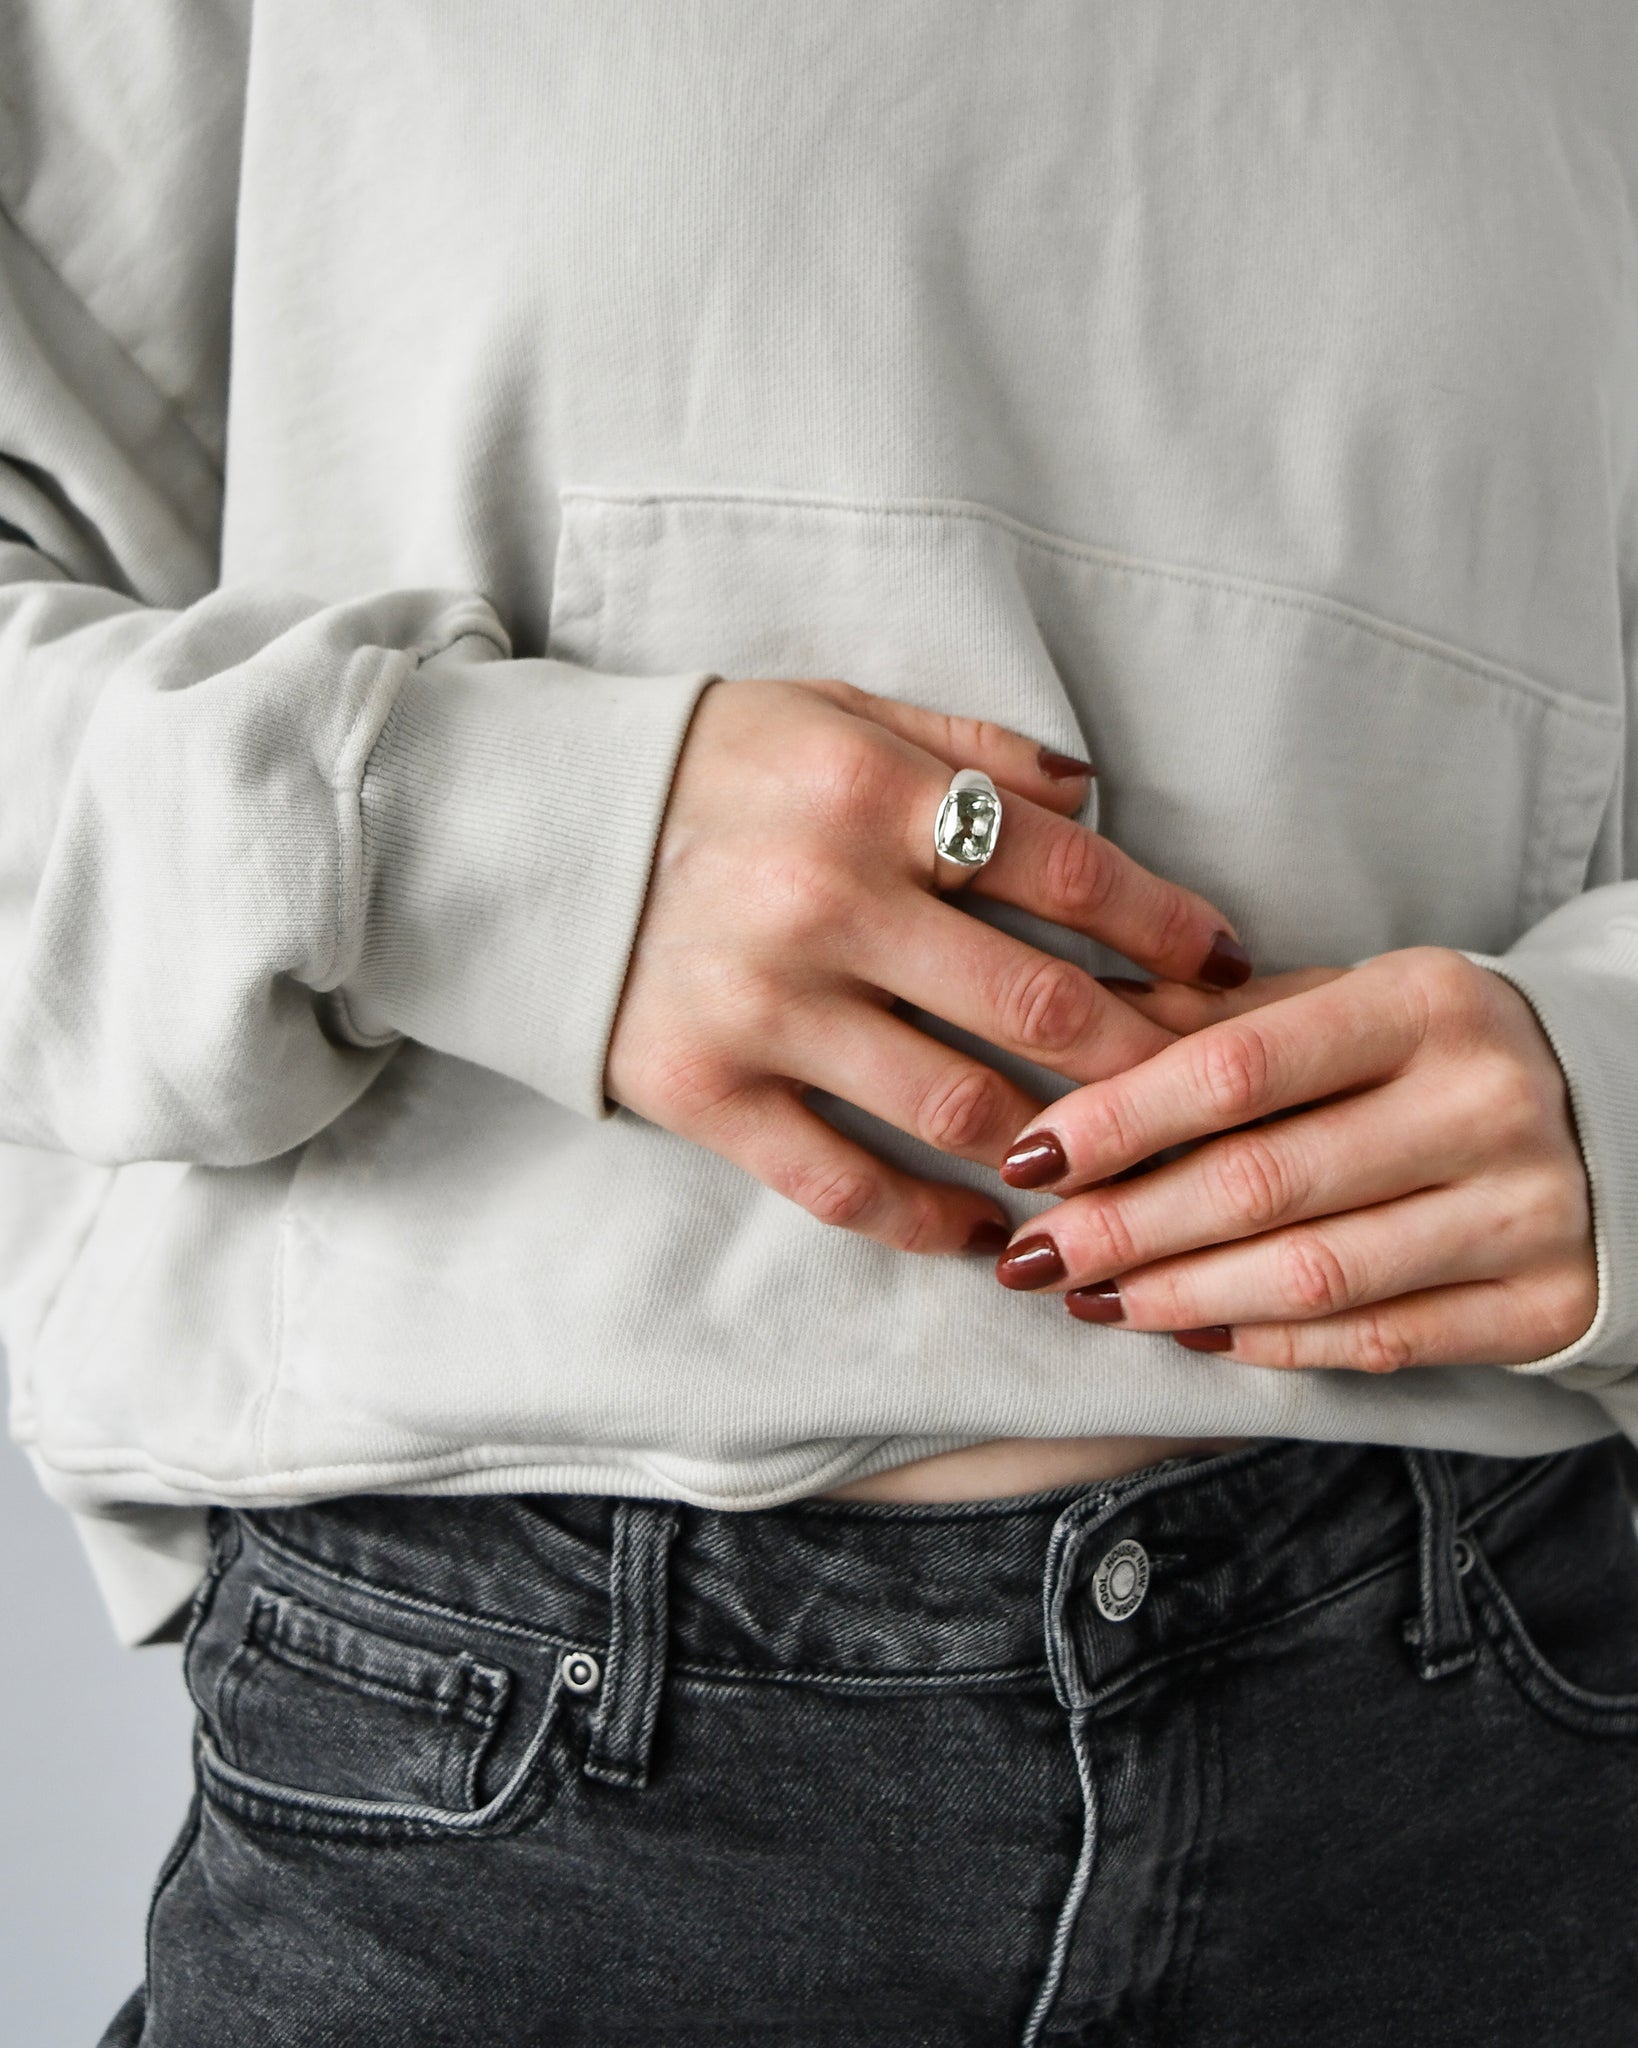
[(405, 409)]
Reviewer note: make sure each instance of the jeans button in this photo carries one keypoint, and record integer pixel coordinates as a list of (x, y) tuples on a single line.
[(1121, 1581), (581, 1671)]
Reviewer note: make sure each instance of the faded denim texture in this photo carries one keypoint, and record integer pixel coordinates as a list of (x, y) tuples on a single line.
[(1301, 1744)]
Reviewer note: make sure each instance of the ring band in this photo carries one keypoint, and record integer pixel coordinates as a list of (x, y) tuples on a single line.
[(967, 826)]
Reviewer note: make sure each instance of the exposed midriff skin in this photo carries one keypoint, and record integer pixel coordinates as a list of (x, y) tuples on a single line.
[(1013, 1465)]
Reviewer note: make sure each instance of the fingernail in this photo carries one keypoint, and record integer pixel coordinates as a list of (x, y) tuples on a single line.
[(1034, 1161), (989, 1234), (1227, 965), (1062, 766), (1100, 1304), (1032, 1262), (1128, 984), (1215, 1337)]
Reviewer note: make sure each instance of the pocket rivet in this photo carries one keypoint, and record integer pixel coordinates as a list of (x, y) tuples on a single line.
[(581, 1671), (1462, 1550)]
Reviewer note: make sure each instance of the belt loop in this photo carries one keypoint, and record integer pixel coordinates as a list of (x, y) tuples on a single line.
[(622, 1735), (1442, 1633)]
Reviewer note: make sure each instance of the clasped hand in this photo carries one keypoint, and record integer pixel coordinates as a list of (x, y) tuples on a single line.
[(1380, 1171), (1379, 1167)]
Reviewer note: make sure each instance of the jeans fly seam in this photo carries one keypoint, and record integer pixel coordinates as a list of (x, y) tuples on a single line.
[(1079, 1884)]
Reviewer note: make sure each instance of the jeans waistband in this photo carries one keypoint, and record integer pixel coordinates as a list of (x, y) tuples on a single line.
[(1093, 1583)]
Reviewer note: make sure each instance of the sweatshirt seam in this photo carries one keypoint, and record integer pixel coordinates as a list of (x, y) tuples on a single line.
[(1042, 540)]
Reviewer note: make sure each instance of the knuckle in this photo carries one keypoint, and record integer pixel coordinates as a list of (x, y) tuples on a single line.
[(1311, 1277), (1380, 1344), (960, 1114), (1049, 1006), (841, 1197), (802, 896), (1174, 924), (1280, 1345), (1107, 1127), (1232, 1071), (1458, 998), (686, 1082), (918, 1227), (850, 778), (1107, 1242), (1079, 875), (972, 739), (1253, 1185)]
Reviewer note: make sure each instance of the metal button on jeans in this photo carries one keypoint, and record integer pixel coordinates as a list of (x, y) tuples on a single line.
[(581, 1671), (1121, 1581)]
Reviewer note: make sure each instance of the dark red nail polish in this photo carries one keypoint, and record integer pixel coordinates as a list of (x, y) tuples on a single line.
[(1214, 1337), (1035, 1161), (1062, 766), (1100, 1304), (1032, 1262), (1127, 984), (1227, 965), (988, 1234)]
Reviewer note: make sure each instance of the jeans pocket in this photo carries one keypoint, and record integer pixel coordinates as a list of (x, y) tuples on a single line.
[(321, 1705), (1554, 1587), (349, 1717)]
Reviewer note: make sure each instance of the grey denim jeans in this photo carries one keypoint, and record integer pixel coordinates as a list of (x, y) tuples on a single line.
[(1318, 1744)]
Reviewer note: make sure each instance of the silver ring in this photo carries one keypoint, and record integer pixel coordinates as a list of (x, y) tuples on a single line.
[(967, 826)]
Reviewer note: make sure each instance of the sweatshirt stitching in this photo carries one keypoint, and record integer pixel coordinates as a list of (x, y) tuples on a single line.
[(1043, 541)]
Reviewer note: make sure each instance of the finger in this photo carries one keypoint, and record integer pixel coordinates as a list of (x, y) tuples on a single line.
[(1391, 1142), (1437, 1237), (1184, 1009), (985, 981), (1345, 1035), (779, 1141), (1487, 1322), (1078, 879), (881, 1064), (1047, 775)]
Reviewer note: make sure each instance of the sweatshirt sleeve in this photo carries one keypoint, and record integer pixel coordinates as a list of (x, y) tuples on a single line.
[(249, 844), (1578, 970), (251, 839)]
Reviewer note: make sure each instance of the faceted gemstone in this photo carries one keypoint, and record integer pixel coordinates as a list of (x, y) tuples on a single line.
[(968, 820)]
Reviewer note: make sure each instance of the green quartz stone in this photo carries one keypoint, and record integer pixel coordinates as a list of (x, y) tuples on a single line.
[(968, 821)]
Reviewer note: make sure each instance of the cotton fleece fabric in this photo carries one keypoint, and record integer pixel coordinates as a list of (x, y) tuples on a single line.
[(406, 410)]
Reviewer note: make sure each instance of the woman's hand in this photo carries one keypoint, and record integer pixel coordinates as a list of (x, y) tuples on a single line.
[(792, 902), (1418, 1197)]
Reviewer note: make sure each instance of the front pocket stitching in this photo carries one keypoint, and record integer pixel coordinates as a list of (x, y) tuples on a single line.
[(329, 1813), (1536, 1679), (463, 1674), (1610, 716), (351, 1584)]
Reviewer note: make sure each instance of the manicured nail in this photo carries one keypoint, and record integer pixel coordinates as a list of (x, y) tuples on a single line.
[(1128, 984), (1062, 766), (1214, 1337), (1032, 1262), (1227, 965), (1034, 1161), (1100, 1304), (989, 1234)]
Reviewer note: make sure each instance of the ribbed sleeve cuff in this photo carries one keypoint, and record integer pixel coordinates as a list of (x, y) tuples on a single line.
[(1586, 1001), (510, 811)]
